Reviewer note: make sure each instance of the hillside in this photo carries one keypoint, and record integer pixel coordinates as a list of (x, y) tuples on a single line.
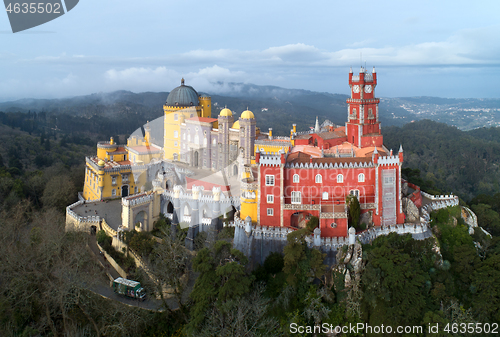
[(450, 160)]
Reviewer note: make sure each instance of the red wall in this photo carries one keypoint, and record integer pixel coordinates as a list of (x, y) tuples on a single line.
[(266, 220)]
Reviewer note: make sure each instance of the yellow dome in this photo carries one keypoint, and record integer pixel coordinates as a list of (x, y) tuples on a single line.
[(100, 163), (236, 125), (226, 112), (247, 114)]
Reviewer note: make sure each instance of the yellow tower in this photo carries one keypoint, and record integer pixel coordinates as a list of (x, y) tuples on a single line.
[(100, 175), (182, 102), (249, 194), (206, 106)]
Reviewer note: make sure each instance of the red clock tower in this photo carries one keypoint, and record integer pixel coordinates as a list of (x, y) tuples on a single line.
[(363, 126)]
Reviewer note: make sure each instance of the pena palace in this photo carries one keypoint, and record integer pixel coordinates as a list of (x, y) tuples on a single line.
[(198, 166)]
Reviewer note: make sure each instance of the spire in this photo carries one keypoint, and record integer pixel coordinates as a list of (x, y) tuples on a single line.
[(350, 71), (400, 148), (316, 127), (375, 151), (373, 71)]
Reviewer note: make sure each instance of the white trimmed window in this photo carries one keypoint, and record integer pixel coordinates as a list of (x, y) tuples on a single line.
[(361, 178), (325, 196), (176, 134), (270, 198), (340, 178), (214, 141), (296, 198), (113, 192), (354, 192), (319, 179), (135, 190), (269, 180), (270, 211), (175, 144), (296, 178), (176, 117)]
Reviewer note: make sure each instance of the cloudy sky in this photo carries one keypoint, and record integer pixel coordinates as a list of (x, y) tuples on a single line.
[(419, 48)]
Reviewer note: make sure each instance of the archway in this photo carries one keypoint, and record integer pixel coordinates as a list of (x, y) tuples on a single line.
[(299, 219), (168, 184), (124, 191), (141, 221), (170, 207), (235, 170)]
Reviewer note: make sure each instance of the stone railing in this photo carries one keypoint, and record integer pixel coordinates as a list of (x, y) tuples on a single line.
[(300, 207), (169, 216), (370, 234), (186, 218), (112, 262), (206, 221), (109, 231)]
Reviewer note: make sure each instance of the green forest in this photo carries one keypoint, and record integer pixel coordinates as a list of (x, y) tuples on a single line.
[(49, 276)]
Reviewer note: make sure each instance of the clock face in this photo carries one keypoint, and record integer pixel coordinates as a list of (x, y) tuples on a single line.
[(368, 89), (355, 89)]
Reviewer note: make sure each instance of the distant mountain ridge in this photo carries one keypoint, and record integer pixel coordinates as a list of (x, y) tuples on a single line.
[(273, 105)]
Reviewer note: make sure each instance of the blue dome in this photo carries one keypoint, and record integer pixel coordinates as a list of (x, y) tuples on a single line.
[(183, 96)]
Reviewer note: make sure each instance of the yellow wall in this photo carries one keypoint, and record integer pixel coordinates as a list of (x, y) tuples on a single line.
[(172, 125), (248, 208), (91, 191), (269, 148), (206, 106)]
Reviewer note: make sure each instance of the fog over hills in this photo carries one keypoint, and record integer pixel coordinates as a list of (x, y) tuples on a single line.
[(273, 105)]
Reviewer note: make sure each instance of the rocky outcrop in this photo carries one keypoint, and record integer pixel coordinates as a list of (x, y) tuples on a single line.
[(350, 266), (410, 210), (404, 188)]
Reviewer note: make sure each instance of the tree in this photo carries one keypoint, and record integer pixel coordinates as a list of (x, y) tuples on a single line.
[(47, 271), (169, 264), (354, 211), (393, 282), (487, 299), (247, 316), (222, 279), (59, 192), (301, 264)]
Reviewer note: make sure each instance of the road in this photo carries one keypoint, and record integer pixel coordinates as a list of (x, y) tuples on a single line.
[(106, 290)]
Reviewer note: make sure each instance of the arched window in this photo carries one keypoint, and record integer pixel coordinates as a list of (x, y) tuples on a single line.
[(325, 195), (184, 135), (296, 178), (196, 139), (214, 141), (205, 141), (176, 134), (340, 178), (361, 178), (319, 179), (189, 137)]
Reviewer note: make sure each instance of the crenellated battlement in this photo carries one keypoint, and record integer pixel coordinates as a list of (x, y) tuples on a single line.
[(336, 165), (388, 160)]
